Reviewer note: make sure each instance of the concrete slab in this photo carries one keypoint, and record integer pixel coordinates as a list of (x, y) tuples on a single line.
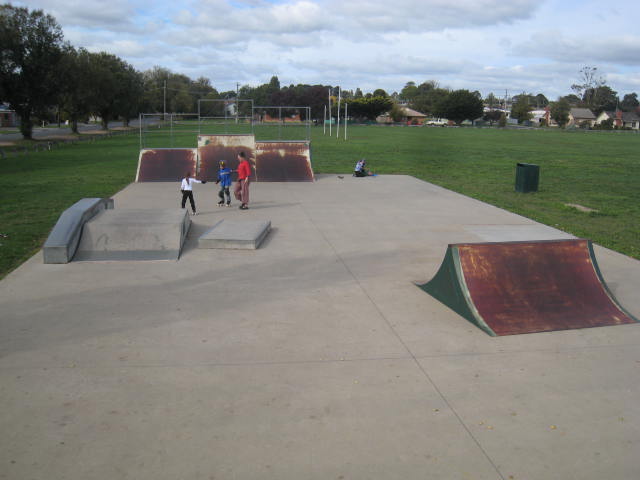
[(235, 234), (315, 356), (516, 233), (141, 234)]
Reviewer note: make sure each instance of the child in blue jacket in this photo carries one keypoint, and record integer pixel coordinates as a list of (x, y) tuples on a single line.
[(224, 179)]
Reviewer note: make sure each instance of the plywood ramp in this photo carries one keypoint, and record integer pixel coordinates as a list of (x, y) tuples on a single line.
[(280, 161), (166, 164), (214, 148)]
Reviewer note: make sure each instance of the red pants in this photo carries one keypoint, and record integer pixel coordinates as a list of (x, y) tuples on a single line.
[(241, 191)]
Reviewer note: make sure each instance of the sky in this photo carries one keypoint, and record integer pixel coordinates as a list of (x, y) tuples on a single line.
[(494, 46)]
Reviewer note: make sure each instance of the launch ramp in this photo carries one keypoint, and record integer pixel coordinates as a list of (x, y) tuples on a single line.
[(525, 287)]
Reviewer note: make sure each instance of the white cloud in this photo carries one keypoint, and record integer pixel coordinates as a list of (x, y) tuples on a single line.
[(613, 48), (113, 15), (490, 45), (433, 15)]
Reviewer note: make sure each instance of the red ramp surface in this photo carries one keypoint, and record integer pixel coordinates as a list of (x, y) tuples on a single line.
[(166, 164), (214, 148), (284, 161), (524, 287)]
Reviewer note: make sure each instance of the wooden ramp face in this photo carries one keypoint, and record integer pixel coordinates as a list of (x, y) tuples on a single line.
[(166, 164), (213, 148), (525, 287), (283, 162)]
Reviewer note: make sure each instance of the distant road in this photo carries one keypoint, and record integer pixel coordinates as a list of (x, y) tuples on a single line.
[(44, 132)]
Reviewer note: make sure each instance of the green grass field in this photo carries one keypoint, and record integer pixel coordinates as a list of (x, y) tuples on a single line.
[(599, 170)]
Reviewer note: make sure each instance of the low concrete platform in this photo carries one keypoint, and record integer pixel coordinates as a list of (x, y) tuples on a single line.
[(134, 234), (235, 234), (313, 357)]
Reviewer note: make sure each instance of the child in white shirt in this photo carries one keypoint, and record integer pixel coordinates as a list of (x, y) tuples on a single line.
[(186, 187)]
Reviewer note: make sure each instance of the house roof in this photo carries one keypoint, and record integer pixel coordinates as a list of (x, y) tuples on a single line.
[(626, 116), (583, 113), (630, 117), (409, 112)]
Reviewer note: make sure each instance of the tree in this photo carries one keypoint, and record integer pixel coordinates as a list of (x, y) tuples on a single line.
[(409, 91), (630, 102), (429, 95), (541, 101), (559, 111), (606, 124), (114, 87), (492, 101), (164, 87), (396, 113), (603, 98), (589, 81), (572, 100), (521, 110), (594, 92), (380, 93), (369, 108), (274, 84), (129, 100), (76, 90), (31, 52), (492, 116), (460, 105)]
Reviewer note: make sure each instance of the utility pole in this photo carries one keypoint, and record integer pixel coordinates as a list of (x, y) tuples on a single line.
[(237, 103)]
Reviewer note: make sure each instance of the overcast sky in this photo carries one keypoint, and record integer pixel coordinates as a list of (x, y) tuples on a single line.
[(536, 46)]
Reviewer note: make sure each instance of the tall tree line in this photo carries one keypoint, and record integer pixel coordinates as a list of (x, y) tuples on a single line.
[(42, 77), (41, 73)]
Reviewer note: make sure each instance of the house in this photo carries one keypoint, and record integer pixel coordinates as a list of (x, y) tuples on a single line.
[(538, 117), (409, 116), (621, 119), (581, 117), (8, 117)]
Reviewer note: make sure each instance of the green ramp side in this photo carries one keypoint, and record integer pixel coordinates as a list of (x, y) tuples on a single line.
[(448, 286)]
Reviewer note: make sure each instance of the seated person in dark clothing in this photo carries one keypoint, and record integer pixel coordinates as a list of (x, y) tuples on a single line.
[(360, 170)]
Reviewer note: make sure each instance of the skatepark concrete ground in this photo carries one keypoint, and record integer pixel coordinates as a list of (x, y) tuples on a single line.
[(313, 357)]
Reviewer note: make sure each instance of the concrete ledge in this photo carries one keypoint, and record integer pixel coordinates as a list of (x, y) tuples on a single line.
[(63, 240), (238, 235), (134, 234)]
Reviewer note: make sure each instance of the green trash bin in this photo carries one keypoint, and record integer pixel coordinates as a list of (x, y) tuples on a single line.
[(527, 177)]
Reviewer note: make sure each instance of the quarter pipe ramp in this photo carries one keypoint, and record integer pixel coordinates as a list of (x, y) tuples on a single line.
[(525, 287)]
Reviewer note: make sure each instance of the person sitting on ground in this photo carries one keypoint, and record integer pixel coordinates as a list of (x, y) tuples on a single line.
[(361, 170)]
